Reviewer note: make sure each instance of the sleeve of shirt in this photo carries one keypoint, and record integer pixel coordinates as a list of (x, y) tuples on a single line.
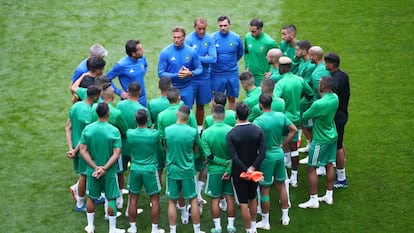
[(211, 57), (113, 73), (149, 124), (198, 68), (240, 50), (262, 150), (123, 126), (312, 112), (254, 114), (233, 154), (162, 66)]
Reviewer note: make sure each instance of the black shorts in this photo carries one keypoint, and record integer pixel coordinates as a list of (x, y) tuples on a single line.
[(244, 190), (340, 128)]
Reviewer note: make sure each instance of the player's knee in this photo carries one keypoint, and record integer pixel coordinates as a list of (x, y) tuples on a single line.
[(264, 198)]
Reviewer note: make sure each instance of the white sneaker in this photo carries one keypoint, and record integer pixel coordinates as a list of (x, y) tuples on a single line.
[(125, 191), (304, 160), (139, 211), (159, 231), (202, 201), (223, 205), (118, 230), (294, 183), (132, 230), (74, 191), (304, 149), (262, 225), (285, 221), (90, 229), (309, 204), (117, 215), (119, 202), (184, 217), (321, 171), (326, 199)]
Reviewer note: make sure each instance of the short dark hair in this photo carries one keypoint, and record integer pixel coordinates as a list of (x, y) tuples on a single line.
[(134, 88), (242, 111), (173, 94), (327, 81), (332, 58), (95, 63), (93, 91), (304, 44), (164, 83), (291, 28), (179, 29), (265, 100), (220, 98), (131, 46), (269, 85), (102, 82), (102, 109), (219, 112), (183, 112), (141, 117), (247, 77), (256, 23), (222, 18)]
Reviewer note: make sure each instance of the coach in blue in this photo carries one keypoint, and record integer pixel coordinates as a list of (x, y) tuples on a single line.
[(130, 68), (180, 62)]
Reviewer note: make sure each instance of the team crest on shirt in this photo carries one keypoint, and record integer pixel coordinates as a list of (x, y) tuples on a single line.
[(231, 44), (250, 45), (261, 49), (187, 58), (205, 44), (173, 58), (131, 70), (142, 67)]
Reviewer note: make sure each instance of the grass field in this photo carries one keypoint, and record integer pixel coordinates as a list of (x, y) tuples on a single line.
[(42, 41)]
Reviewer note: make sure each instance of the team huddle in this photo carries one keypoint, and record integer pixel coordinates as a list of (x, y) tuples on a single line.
[(233, 155)]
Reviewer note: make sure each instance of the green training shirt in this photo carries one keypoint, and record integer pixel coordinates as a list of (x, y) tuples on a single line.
[(169, 117), (144, 144), (317, 74), (230, 119), (252, 97), (278, 105)]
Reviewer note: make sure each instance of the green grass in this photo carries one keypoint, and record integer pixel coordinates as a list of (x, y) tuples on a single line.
[(43, 41)]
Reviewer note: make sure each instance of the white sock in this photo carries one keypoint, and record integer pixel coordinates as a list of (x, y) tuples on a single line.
[(253, 226), (80, 201), (90, 217), (258, 196), (322, 170), (196, 228), (183, 209), (200, 185), (112, 223), (230, 222), (173, 229), (294, 175), (329, 193), (285, 213), (217, 223), (340, 173), (314, 197), (265, 218), (249, 230), (133, 225), (106, 207), (154, 227)]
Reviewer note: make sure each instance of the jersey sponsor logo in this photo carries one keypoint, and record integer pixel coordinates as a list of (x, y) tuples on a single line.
[(173, 59), (131, 70)]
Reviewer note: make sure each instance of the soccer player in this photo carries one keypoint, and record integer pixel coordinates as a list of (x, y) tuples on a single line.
[(272, 57), (79, 93), (278, 104), (288, 45), (230, 115), (143, 143), (291, 88), (80, 115), (323, 147), (96, 66), (131, 67), (273, 166), (180, 62), (225, 72), (252, 91), (214, 144), (256, 45), (181, 143), (342, 90), (203, 43), (246, 145), (95, 50), (101, 172)]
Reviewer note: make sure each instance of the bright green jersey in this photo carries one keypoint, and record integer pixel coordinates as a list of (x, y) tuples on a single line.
[(291, 88), (290, 51), (230, 119), (255, 50), (278, 105), (144, 144), (101, 138), (129, 108), (273, 124), (157, 105), (322, 111), (169, 117), (252, 97), (317, 74), (80, 115), (115, 118), (305, 70), (213, 142), (275, 76), (82, 93), (180, 140)]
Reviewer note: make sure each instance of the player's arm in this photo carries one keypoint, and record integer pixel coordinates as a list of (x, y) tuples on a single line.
[(240, 50), (292, 131), (312, 112), (262, 152), (83, 148), (116, 152), (74, 86), (112, 74), (162, 67), (211, 56)]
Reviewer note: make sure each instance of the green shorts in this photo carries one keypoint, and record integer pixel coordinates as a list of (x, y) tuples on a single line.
[(161, 159), (215, 186), (199, 164), (273, 170), (294, 138), (307, 123), (186, 186), (81, 165), (125, 160), (322, 153), (107, 184), (148, 179)]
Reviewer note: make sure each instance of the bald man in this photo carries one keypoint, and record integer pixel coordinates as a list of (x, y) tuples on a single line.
[(272, 57)]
